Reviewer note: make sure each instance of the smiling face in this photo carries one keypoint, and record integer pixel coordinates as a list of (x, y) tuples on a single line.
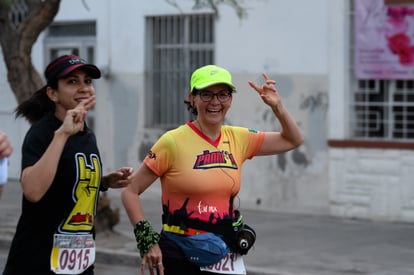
[(71, 90), (213, 111)]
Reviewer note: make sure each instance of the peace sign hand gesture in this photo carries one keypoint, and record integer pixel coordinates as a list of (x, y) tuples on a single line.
[(268, 92), (75, 118)]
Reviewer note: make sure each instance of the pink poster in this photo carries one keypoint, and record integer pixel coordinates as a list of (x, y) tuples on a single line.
[(384, 40)]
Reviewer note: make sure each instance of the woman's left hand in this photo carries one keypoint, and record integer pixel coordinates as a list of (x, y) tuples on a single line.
[(118, 178), (153, 259), (268, 92)]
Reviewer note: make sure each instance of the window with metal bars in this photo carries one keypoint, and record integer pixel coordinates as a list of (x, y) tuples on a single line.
[(381, 109), (175, 46)]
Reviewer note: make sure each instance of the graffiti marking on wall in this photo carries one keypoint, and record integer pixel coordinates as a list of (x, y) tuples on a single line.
[(315, 101)]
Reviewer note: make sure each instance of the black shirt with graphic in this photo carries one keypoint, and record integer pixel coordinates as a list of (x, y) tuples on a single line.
[(69, 205)]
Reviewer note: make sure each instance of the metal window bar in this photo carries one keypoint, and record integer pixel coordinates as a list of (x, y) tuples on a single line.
[(403, 110), (179, 45), (380, 109)]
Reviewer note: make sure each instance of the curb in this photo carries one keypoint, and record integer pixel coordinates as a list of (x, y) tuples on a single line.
[(115, 257), (5, 243), (103, 255)]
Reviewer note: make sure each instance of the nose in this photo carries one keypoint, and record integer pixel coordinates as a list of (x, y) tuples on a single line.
[(86, 88), (215, 98)]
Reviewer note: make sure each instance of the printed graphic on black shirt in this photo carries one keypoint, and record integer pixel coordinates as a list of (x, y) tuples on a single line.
[(85, 195)]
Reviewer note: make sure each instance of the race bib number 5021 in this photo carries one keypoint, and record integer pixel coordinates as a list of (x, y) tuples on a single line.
[(72, 254), (231, 264)]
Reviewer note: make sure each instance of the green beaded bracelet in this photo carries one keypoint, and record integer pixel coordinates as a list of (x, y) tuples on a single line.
[(145, 236)]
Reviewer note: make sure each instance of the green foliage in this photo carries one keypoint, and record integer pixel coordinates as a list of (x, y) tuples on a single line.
[(6, 3), (214, 5)]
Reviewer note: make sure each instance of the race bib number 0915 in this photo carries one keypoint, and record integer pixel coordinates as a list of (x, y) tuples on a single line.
[(72, 254)]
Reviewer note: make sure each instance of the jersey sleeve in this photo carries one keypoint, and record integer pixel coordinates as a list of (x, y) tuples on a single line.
[(162, 154), (251, 139)]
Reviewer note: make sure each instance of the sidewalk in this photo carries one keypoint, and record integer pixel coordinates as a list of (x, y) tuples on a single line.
[(287, 244)]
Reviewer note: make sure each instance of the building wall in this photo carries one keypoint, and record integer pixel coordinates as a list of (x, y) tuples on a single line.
[(305, 47), (372, 184), (367, 183), (291, 182)]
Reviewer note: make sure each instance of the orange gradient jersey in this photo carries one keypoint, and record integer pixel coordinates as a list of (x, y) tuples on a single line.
[(200, 177)]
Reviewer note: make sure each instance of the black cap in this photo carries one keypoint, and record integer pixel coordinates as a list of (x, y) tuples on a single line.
[(66, 64)]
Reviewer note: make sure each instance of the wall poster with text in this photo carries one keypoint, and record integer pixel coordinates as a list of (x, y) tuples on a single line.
[(384, 40)]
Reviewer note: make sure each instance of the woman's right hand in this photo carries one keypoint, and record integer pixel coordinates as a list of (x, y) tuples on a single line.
[(75, 118)]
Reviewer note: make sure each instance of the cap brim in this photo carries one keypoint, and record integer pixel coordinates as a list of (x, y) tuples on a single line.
[(92, 70), (208, 84)]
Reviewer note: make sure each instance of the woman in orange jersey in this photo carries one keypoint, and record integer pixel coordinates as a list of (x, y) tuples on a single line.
[(199, 165)]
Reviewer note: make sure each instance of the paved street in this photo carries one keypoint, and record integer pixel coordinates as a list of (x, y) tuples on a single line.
[(100, 268), (287, 244)]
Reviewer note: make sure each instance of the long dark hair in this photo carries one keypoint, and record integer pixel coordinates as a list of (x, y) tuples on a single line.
[(191, 108), (38, 105)]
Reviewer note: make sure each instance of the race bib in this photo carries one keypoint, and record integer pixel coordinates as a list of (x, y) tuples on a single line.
[(72, 254), (231, 264)]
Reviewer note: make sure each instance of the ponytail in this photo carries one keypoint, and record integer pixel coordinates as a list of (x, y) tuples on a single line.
[(37, 106)]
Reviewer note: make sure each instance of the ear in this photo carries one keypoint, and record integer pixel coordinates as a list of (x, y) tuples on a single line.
[(51, 93), (190, 97)]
